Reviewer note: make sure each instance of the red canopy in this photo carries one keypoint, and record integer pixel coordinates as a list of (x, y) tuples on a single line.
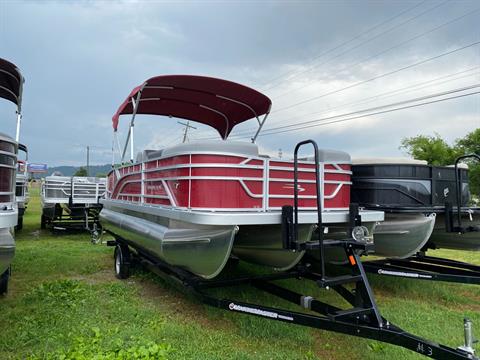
[(11, 82), (218, 103)]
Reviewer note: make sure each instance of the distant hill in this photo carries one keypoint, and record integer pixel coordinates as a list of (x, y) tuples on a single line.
[(70, 170)]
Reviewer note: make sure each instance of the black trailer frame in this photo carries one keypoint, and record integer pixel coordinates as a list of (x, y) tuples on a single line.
[(82, 218), (361, 319), (425, 267)]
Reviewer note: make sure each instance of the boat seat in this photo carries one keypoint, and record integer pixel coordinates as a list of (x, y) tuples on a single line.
[(387, 161), (460, 166), (146, 155), (334, 156), (232, 147)]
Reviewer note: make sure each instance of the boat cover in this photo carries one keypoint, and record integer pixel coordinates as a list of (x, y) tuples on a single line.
[(218, 103), (11, 82)]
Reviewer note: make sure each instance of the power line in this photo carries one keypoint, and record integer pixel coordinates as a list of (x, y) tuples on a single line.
[(438, 27), (296, 73), (378, 76), (443, 93), (416, 87), (372, 114), (373, 109), (387, 94)]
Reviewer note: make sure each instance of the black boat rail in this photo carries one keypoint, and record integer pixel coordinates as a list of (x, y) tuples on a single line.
[(458, 192)]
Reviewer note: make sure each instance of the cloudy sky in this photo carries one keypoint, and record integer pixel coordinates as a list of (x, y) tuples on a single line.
[(315, 60)]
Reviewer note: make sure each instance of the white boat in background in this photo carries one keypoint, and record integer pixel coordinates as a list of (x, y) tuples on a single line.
[(11, 86), (21, 190), (193, 205), (71, 202)]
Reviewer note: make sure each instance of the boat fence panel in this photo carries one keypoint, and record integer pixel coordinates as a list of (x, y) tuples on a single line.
[(228, 182), (78, 190)]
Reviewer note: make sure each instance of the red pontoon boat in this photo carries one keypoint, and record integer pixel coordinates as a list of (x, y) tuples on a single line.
[(195, 204), (185, 210)]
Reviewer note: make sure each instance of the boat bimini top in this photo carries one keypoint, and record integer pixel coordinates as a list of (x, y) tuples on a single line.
[(218, 103), (11, 88)]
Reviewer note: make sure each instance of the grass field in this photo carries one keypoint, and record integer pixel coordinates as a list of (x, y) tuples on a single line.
[(65, 303)]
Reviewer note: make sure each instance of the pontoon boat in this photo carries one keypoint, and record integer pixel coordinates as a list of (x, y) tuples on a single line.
[(11, 85), (412, 194), (195, 204), (184, 210), (21, 192), (71, 203)]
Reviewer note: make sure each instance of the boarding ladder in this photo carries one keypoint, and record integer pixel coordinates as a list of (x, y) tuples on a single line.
[(362, 297)]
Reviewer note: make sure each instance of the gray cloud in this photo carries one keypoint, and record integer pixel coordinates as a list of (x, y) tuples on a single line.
[(81, 59)]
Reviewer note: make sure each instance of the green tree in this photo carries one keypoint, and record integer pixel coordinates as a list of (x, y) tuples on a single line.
[(101, 175), (470, 143), (432, 149), (81, 172), (437, 151)]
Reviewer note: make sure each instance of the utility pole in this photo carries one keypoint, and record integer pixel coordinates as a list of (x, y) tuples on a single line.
[(88, 160), (185, 132)]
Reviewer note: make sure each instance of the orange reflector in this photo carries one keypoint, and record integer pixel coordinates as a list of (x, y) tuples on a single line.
[(352, 260)]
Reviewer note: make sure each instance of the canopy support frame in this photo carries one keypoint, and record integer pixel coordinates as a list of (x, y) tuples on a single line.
[(260, 126), (135, 104)]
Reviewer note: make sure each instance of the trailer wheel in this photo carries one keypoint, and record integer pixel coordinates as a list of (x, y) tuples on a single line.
[(122, 261), (4, 278)]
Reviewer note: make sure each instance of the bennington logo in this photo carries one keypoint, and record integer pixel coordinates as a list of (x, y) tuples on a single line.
[(264, 313), (446, 191), (290, 186)]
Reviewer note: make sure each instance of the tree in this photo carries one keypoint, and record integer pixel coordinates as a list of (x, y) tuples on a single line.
[(101, 175), (432, 149), (438, 152), (81, 172), (470, 143)]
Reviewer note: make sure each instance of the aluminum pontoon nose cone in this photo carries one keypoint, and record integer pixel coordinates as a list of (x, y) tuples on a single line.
[(360, 233)]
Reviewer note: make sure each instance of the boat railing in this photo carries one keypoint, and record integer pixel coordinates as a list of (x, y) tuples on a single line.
[(145, 183), (75, 190), (458, 192)]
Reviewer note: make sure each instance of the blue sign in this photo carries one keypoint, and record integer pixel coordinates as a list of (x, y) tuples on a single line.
[(37, 168)]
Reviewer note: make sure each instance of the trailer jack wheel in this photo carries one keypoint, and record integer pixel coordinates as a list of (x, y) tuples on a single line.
[(122, 261)]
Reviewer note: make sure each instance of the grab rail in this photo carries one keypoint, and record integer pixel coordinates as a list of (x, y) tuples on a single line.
[(319, 199), (458, 179)]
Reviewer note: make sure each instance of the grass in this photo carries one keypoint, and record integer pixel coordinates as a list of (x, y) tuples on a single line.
[(64, 302)]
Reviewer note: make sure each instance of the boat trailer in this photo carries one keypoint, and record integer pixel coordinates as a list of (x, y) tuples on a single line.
[(423, 267), (72, 204), (361, 318)]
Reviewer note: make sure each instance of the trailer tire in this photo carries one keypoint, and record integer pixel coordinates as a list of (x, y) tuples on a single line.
[(121, 261), (4, 278)]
